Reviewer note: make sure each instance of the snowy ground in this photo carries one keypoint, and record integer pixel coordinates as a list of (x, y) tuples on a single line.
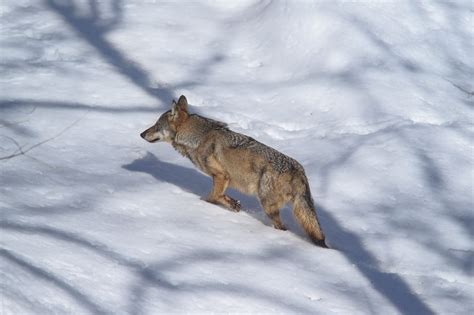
[(375, 99)]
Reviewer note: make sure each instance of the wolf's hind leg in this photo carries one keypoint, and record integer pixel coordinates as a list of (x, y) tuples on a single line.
[(272, 209)]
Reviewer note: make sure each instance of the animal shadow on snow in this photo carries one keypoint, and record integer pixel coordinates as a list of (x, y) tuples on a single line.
[(391, 285), (199, 184)]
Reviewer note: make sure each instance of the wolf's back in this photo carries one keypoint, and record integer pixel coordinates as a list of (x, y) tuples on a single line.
[(279, 161)]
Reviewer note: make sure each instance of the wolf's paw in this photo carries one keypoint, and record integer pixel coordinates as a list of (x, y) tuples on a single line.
[(233, 204), (279, 226), (321, 243), (226, 202)]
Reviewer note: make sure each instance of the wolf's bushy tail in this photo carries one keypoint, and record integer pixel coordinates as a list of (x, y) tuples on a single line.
[(305, 213)]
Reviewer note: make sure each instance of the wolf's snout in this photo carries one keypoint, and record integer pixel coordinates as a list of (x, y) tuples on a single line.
[(149, 136)]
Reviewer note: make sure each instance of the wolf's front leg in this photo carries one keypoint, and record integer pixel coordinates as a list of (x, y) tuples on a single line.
[(220, 184)]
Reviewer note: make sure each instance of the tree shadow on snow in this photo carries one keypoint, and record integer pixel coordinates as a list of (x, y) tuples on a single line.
[(93, 27), (48, 277), (150, 275), (14, 104), (390, 285)]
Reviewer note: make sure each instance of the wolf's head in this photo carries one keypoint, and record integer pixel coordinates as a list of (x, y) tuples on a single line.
[(165, 128)]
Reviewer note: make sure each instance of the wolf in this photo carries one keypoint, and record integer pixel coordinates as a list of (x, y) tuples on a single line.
[(241, 162)]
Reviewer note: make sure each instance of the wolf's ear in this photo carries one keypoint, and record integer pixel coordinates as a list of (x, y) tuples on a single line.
[(181, 106)]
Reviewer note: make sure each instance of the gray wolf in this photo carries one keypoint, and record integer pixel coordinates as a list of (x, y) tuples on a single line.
[(241, 162)]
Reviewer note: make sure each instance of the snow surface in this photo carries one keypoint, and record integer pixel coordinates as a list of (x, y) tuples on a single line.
[(374, 98)]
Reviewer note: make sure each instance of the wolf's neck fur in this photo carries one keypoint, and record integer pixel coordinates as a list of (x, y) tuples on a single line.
[(190, 134)]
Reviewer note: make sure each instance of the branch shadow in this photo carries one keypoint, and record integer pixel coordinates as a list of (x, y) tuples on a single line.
[(19, 103), (15, 127), (92, 27), (150, 275), (21, 298), (390, 285), (44, 275), (459, 211)]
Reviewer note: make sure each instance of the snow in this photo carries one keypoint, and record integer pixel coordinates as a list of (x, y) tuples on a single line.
[(374, 98)]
